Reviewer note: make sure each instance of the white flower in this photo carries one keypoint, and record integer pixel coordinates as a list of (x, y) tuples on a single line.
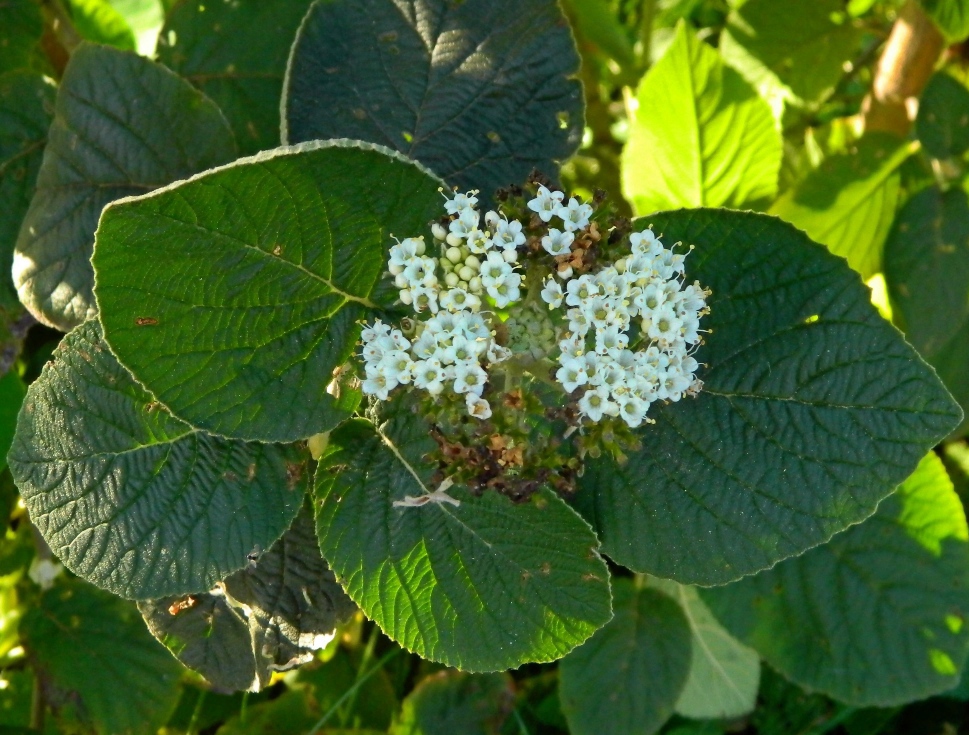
[(645, 243), (404, 252), (546, 203), (557, 242), (478, 407), (375, 330), (506, 291), (632, 410), (573, 346), (460, 202), (464, 225), (572, 374), (457, 299), (581, 291), (496, 353), (494, 270), (379, 384), (397, 365), (552, 294), (508, 235), (429, 375), (596, 403), (424, 298), (469, 377), (574, 216), (478, 242)]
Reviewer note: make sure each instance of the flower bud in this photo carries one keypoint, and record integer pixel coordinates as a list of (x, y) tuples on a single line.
[(420, 248), (453, 239), (453, 255), (472, 262), (452, 280), (438, 231), (396, 269), (510, 255), (406, 298), (474, 285), (466, 273)]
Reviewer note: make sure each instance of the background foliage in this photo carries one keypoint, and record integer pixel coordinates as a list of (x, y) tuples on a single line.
[(695, 104)]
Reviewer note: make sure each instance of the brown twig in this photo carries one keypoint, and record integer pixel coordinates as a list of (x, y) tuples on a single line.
[(904, 68)]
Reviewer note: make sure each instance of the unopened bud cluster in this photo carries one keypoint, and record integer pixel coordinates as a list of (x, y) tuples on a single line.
[(621, 330)]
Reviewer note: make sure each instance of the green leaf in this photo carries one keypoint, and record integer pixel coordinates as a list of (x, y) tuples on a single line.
[(952, 17), (21, 26), (875, 617), (12, 393), (927, 275), (257, 277), (268, 617), (711, 142), (799, 49), (848, 203), (236, 53), (813, 410), (724, 673), (484, 586), (26, 107), (452, 702), (132, 499), (98, 655), (784, 708), (104, 145), (481, 91), (595, 23), (98, 21), (942, 124), (627, 677)]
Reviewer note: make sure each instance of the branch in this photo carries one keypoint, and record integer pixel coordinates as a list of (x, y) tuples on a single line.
[(907, 62)]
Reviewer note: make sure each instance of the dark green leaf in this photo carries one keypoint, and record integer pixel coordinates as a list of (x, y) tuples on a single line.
[(813, 410), (484, 586), (257, 276), (12, 393), (927, 275), (98, 21), (848, 203), (877, 616), (268, 617), (480, 91), (800, 47), (711, 142), (21, 26), (236, 53), (452, 702), (105, 144), (942, 124), (784, 708), (98, 655), (26, 107), (129, 497), (952, 17), (627, 677)]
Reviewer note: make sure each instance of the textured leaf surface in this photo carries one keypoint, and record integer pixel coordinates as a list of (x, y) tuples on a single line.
[(724, 673), (711, 142), (132, 499), (457, 702), (257, 276), (95, 649), (21, 26), (104, 145), (799, 48), (875, 617), (627, 677), (267, 617), (12, 393), (848, 203), (927, 275), (952, 17), (813, 410), (480, 91), (26, 107), (942, 124), (484, 586), (236, 53)]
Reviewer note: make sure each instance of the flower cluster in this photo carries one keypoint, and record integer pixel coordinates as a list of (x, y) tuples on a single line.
[(596, 354), (452, 348)]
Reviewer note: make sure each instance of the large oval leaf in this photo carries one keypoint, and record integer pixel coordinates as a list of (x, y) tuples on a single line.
[(258, 275), (875, 617), (627, 677), (813, 410), (484, 586), (712, 142), (132, 499), (480, 91), (236, 53), (103, 145)]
